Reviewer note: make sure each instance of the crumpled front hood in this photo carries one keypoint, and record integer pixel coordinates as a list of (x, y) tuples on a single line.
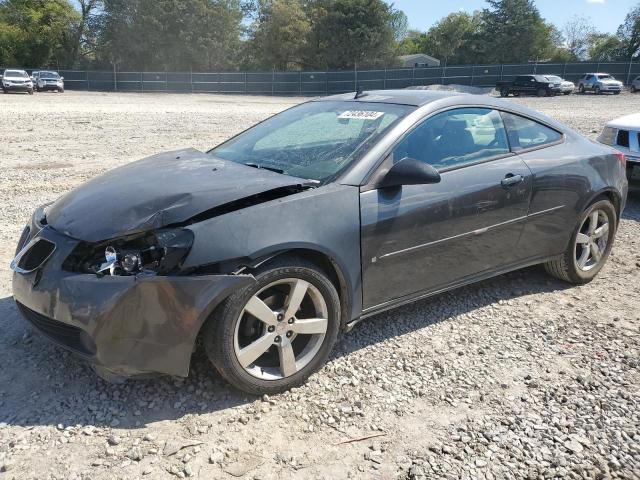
[(165, 189)]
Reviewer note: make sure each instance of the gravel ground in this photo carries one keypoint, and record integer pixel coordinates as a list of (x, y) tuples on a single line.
[(521, 376)]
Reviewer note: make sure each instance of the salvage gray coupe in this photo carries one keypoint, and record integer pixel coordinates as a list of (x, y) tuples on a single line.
[(271, 244)]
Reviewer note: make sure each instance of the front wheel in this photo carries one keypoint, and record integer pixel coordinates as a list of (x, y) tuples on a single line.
[(270, 336), (597, 90), (542, 92), (30, 91), (616, 93), (589, 247), (581, 89), (504, 92)]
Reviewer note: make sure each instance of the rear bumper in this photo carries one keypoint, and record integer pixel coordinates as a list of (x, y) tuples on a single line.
[(131, 325)]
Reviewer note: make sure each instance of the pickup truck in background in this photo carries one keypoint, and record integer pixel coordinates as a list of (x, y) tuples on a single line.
[(528, 85)]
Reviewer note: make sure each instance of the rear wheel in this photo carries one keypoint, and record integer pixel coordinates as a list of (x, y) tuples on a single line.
[(270, 336), (30, 91), (504, 92), (581, 89), (542, 92), (616, 93), (589, 247)]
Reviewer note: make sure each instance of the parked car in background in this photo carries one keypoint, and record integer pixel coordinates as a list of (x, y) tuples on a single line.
[(428, 191), (47, 80), (528, 85), (566, 87), (34, 76), (599, 83), (624, 134), (635, 84), (16, 81)]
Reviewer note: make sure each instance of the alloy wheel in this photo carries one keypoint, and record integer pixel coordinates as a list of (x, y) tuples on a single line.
[(592, 240), (281, 329)]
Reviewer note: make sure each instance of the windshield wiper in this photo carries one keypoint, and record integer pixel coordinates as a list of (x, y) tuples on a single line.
[(273, 169)]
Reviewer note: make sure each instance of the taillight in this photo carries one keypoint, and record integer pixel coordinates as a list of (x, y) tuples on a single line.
[(622, 159)]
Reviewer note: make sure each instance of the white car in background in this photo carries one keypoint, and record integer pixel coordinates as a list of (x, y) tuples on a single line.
[(16, 81), (623, 134), (566, 87)]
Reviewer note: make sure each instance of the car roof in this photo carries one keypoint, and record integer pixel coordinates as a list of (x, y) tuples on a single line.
[(416, 98), (631, 121)]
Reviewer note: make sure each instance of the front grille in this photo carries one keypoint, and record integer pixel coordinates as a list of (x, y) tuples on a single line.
[(67, 336), (39, 252)]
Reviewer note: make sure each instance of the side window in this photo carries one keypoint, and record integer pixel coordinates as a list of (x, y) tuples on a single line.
[(525, 133), (454, 138)]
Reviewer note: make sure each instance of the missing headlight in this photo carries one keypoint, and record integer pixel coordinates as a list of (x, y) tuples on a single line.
[(160, 252)]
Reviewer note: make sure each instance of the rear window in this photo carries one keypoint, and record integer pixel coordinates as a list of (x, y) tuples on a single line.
[(622, 139), (525, 133), (608, 136)]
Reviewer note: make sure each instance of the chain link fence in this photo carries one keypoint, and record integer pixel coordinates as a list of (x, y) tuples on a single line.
[(331, 82)]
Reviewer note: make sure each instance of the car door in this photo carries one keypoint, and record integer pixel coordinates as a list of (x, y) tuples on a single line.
[(419, 238)]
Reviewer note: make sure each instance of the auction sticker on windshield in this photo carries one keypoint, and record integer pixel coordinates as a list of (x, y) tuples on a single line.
[(361, 115)]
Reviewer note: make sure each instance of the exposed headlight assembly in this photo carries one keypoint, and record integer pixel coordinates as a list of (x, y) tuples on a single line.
[(160, 252)]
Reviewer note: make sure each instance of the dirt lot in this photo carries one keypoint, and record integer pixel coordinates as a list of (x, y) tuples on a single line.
[(517, 377)]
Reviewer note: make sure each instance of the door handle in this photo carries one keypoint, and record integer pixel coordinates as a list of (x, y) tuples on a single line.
[(510, 179)]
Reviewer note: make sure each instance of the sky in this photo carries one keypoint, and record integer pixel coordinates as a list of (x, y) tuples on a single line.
[(606, 15)]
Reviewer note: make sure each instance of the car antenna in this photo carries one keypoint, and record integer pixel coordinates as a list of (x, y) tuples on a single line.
[(359, 92)]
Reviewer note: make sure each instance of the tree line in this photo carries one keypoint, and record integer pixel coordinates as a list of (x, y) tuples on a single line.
[(209, 35)]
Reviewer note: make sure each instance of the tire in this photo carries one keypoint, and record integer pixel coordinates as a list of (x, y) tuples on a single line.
[(30, 91), (542, 92), (597, 90), (581, 89), (5, 91), (61, 90), (504, 92), (566, 267), (567, 93), (231, 326), (633, 89), (616, 93)]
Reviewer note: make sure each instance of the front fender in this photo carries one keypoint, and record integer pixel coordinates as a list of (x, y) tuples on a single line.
[(324, 219)]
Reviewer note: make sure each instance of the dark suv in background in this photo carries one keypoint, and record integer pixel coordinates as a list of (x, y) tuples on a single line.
[(528, 85)]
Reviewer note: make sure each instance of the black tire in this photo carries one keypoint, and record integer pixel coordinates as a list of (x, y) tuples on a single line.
[(633, 89), (597, 90), (565, 267), (516, 94), (581, 89), (542, 92), (567, 93), (219, 331), (616, 93), (4, 90), (30, 91), (61, 90), (504, 92)]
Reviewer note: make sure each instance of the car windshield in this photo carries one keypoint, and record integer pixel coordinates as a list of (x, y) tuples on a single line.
[(49, 75), (605, 77), (540, 78), (15, 73), (315, 140), (553, 78)]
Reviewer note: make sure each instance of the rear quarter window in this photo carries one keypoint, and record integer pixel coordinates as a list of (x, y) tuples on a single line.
[(525, 133)]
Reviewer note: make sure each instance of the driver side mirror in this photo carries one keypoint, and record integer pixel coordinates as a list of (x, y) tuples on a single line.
[(409, 171), (61, 78)]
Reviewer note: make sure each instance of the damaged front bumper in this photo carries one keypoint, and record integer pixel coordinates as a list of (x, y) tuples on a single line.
[(127, 325)]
